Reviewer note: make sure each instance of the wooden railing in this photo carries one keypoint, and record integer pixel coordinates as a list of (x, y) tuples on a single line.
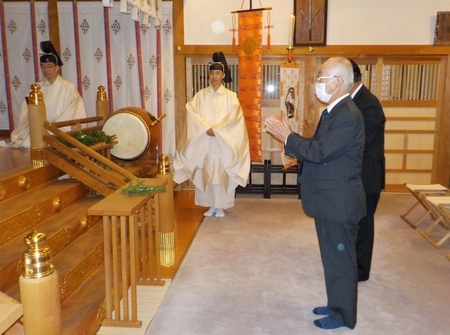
[(89, 164), (131, 231), (132, 250)]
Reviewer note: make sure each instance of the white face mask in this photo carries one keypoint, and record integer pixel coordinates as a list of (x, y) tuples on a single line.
[(321, 91)]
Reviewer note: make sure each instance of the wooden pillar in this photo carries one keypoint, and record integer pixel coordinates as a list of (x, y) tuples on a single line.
[(37, 116), (53, 22)]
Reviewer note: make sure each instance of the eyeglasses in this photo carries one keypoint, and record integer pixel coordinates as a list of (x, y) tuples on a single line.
[(47, 66), (319, 78)]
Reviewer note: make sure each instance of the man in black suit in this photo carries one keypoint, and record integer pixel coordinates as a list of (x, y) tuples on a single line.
[(373, 169), (331, 186)]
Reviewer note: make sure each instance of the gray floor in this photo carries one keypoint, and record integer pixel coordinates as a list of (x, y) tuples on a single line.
[(258, 271)]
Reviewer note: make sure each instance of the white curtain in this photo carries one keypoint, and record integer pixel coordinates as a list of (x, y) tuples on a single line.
[(91, 67), (126, 64), (132, 56), (22, 61)]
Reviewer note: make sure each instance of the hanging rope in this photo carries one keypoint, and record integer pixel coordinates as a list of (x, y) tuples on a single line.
[(233, 24), (242, 4), (268, 29)]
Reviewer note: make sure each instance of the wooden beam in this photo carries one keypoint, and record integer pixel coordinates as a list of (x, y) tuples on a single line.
[(53, 22), (179, 70)]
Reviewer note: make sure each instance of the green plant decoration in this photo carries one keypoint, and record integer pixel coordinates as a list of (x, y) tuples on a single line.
[(141, 189), (90, 138)]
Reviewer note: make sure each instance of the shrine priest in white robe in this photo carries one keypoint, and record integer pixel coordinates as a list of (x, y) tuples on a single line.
[(61, 98), (215, 155)]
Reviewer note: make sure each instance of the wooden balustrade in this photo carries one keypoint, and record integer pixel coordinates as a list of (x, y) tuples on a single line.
[(131, 225), (93, 168)]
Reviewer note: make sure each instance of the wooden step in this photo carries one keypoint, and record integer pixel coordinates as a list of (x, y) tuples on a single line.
[(81, 276), (60, 229), (21, 180), (34, 199), (82, 312), (21, 213), (75, 262), (79, 260)]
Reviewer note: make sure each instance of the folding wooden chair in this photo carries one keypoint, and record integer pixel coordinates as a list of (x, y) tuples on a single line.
[(418, 191), (440, 206)]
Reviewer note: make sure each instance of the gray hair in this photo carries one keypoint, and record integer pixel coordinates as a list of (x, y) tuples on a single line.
[(343, 68)]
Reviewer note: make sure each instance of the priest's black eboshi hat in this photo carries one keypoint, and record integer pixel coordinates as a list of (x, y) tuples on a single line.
[(218, 57), (50, 54)]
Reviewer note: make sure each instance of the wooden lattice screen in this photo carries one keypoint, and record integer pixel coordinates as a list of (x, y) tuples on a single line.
[(407, 89)]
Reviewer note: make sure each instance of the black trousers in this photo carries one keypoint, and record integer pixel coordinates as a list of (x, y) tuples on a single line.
[(337, 249), (364, 242)]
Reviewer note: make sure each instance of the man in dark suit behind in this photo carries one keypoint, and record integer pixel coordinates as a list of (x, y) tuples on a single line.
[(373, 169), (331, 187)]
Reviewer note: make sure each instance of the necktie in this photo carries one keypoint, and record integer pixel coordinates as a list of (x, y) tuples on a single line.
[(323, 116)]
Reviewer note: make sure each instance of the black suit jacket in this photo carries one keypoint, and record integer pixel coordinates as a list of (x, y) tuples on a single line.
[(373, 170), (331, 186)]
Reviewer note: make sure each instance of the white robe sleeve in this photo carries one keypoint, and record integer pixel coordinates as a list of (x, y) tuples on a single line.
[(228, 125), (62, 102)]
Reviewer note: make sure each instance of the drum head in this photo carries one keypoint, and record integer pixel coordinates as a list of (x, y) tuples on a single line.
[(133, 135)]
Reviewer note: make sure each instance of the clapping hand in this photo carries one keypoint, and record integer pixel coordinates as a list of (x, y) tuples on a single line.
[(279, 129)]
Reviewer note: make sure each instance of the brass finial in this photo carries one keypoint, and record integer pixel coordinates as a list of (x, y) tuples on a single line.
[(24, 182), (164, 164), (37, 257), (57, 203), (2, 191), (101, 94), (36, 97)]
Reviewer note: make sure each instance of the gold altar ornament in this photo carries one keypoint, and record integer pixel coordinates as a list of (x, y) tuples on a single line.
[(101, 94), (24, 182), (36, 96), (37, 257), (37, 116), (57, 203), (39, 292), (164, 165)]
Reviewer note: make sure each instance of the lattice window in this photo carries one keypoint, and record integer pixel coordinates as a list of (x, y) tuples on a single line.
[(369, 76), (271, 81), (399, 81), (198, 72), (410, 81)]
